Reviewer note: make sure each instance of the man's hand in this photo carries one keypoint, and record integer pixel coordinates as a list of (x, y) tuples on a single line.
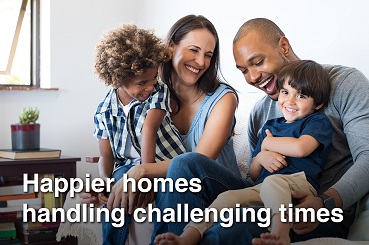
[(306, 200)]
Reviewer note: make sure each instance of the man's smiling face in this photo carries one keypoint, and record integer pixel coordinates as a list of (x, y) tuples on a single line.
[(260, 62)]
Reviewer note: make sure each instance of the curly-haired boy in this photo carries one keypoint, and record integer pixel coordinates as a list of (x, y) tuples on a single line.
[(132, 123)]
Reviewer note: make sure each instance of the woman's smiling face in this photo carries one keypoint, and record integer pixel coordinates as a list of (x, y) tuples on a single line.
[(192, 56)]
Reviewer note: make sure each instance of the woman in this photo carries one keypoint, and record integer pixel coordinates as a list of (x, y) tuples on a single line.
[(206, 129), (203, 111)]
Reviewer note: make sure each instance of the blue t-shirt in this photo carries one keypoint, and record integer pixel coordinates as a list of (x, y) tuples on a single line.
[(316, 125)]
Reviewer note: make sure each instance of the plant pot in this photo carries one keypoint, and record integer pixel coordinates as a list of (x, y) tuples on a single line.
[(25, 137)]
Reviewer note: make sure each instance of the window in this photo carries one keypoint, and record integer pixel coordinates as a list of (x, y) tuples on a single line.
[(19, 42)]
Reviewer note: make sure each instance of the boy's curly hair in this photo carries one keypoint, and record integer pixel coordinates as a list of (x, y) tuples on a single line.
[(128, 51)]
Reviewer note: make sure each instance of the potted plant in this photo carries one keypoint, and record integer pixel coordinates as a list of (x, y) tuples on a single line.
[(26, 133)]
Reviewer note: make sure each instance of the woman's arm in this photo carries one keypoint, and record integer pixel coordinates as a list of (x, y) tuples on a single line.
[(216, 133), (148, 170), (150, 128), (218, 127)]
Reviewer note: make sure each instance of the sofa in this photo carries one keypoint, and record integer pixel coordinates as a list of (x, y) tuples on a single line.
[(359, 232)]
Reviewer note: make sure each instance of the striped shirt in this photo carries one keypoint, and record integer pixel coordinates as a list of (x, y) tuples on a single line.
[(111, 123)]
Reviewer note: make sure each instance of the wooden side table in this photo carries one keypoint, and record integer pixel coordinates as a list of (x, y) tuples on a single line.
[(65, 166)]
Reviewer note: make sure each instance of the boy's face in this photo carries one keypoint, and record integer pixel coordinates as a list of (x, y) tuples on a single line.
[(295, 105), (139, 87)]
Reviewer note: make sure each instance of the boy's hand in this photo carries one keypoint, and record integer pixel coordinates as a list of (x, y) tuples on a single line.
[(271, 161), (103, 200), (267, 137), (88, 198)]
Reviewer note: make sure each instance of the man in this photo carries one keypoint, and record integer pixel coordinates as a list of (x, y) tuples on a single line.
[(260, 50)]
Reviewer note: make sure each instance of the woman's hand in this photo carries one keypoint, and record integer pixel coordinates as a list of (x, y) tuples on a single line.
[(145, 198), (129, 199), (116, 198)]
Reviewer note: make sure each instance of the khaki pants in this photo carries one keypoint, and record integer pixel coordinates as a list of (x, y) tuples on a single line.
[(272, 193)]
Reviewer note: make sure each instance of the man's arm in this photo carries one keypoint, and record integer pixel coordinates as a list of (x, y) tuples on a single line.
[(351, 100)]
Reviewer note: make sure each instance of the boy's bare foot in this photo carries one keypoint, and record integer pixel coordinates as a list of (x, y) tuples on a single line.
[(271, 239)]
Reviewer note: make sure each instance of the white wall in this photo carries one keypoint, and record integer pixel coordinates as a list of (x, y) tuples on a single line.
[(326, 31), (66, 116)]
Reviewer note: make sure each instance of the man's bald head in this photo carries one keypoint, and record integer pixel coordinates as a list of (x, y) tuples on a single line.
[(268, 31)]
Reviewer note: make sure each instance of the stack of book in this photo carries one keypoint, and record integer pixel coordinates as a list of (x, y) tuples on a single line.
[(33, 154), (13, 197), (8, 234), (49, 200), (29, 232)]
